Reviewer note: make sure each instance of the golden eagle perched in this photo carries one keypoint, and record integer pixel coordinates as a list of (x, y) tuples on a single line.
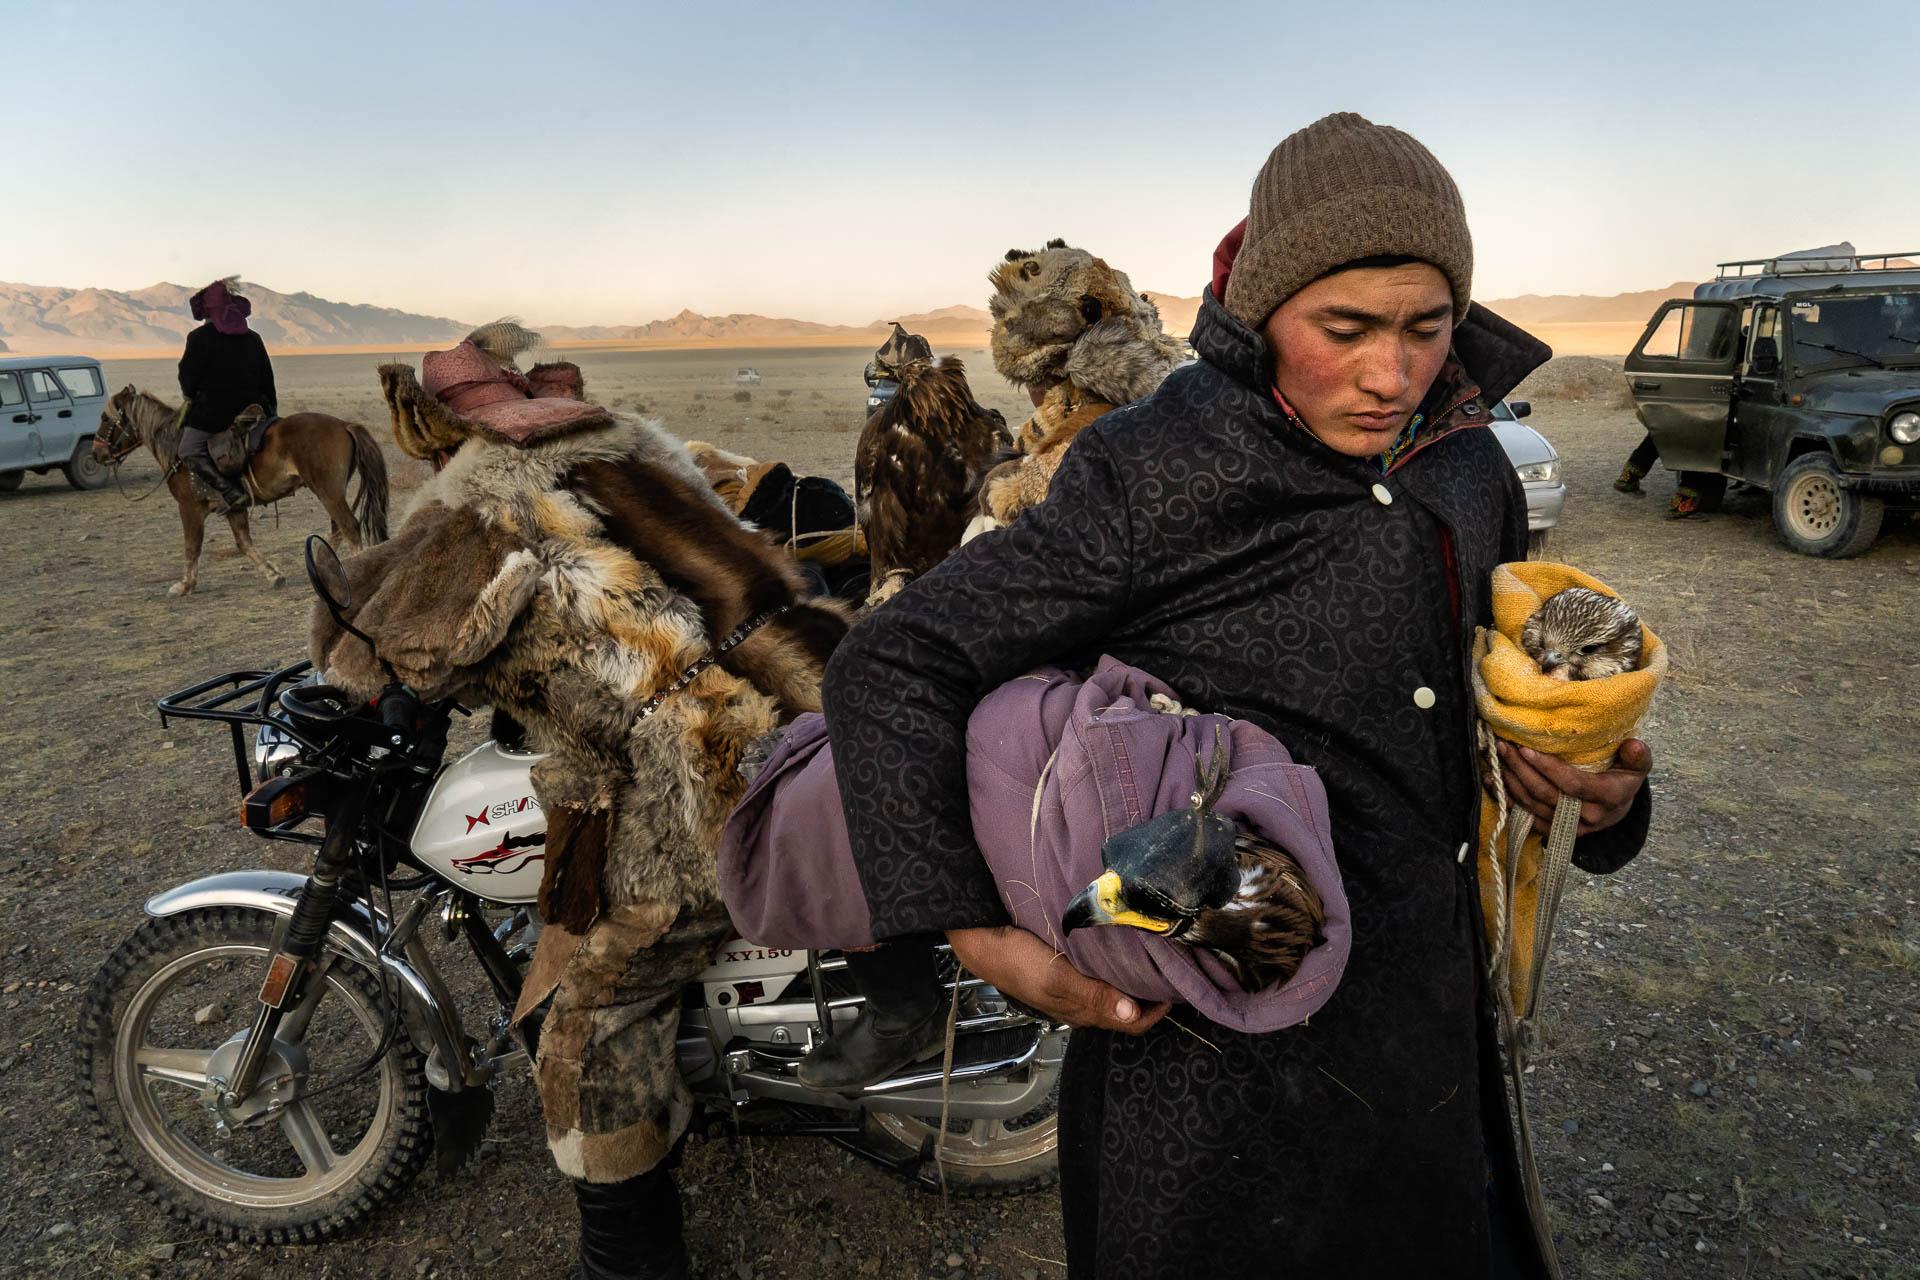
[(921, 460)]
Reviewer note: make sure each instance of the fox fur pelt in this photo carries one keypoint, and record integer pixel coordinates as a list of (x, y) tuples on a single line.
[(566, 582), (919, 466)]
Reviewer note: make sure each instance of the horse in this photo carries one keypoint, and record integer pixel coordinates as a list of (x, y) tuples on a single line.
[(314, 450)]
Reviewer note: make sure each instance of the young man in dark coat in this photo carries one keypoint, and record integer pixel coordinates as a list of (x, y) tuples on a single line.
[(1297, 530), (224, 369)]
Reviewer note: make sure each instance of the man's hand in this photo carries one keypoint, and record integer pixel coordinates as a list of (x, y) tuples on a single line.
[(1024, 967), (1535, 781)]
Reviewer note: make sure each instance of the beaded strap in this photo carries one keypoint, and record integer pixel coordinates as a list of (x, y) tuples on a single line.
[(734, 638)]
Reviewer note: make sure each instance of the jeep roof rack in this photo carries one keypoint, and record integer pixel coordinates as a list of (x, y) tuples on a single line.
[(1821, 263)]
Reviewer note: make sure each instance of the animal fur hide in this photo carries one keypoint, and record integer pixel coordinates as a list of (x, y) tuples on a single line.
[(1022, 482), (567, 581), (920, 462), (1068, 324)]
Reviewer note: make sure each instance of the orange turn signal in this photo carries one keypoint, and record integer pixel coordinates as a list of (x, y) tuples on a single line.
[(274, 803)]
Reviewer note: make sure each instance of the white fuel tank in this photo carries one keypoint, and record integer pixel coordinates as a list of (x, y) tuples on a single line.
[(481, 827)]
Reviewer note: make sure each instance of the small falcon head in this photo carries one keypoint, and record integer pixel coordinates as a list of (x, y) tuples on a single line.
[(1580, 634)]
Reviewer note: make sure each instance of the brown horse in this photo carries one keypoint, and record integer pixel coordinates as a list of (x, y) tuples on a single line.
[(315, 450)]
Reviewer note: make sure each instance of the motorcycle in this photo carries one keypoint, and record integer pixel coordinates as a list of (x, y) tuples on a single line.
[(272, 1056)]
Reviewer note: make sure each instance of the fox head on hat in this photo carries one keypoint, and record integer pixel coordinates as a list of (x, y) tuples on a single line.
[(476, 389), (1062, 315)]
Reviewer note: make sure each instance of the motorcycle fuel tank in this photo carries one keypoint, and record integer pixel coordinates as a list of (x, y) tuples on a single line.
[(481, 827)]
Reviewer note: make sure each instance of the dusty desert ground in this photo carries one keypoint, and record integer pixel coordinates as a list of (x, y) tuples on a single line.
[(1728, 1085)]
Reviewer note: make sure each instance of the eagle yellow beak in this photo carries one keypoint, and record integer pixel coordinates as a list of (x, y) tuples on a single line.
[(1101, 903)]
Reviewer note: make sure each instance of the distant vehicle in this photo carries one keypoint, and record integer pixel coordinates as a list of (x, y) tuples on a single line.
[(1538, 466), (1532, 456), (1799, 374), (49, 407), (747, 377), (880, 389)]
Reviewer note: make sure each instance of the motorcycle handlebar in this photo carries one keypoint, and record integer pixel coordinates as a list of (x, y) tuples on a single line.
[(399, 709)]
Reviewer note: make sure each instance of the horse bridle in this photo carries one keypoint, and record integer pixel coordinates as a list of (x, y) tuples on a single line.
[(120, 437)]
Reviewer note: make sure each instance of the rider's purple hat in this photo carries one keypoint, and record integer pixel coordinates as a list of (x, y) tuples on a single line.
[(221, 307)]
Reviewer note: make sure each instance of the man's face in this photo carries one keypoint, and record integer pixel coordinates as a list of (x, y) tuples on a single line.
[(1355, 352)]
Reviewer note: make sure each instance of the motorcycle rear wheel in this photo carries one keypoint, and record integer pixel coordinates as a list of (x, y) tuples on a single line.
[(273, 1174), (981, 1157)]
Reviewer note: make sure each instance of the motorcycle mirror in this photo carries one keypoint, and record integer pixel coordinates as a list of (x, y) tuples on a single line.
[(327, 575), (330, 582)]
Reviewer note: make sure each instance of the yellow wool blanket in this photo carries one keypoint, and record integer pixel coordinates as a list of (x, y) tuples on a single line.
[(830, 548), (1583, 722)]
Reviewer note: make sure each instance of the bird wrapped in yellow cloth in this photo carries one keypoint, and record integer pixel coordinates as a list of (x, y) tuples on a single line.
[(1528, 699)]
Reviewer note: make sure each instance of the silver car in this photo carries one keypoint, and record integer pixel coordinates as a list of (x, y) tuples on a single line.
[(1539, 468)]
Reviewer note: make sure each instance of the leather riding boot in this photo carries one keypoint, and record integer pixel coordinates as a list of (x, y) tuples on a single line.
[(902, 1022), (196, 459), (632, 1230)]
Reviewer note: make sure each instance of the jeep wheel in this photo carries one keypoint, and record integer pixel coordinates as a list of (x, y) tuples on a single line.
[(10, 480), (1817, 517), (83, 470)]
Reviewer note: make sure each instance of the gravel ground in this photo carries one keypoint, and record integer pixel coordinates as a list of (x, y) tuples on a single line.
[(1729, 1083)]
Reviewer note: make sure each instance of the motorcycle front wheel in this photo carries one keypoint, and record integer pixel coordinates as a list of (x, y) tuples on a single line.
[(324, 1138)]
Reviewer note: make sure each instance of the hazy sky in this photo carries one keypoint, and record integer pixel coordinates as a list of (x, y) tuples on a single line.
[(603, 163)]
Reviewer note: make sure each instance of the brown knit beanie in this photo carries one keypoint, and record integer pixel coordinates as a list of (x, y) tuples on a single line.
[(1341, 189)]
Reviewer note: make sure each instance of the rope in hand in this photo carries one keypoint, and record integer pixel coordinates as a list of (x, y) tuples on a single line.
[(946, 1084)]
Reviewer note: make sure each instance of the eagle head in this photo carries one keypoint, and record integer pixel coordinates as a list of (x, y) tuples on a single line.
[(1192, 876)]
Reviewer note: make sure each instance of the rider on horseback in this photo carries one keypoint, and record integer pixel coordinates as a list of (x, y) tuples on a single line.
[(223, 371)]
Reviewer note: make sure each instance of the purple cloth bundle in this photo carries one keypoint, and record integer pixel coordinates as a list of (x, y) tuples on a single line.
[(1056, 763)]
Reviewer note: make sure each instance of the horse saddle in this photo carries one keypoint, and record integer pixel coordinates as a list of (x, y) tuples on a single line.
[(233, 448)]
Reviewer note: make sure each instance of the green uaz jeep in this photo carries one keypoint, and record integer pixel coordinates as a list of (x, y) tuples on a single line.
[(1800, 374)]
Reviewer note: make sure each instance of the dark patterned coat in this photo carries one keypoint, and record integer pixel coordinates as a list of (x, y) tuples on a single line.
[(1201, 535)]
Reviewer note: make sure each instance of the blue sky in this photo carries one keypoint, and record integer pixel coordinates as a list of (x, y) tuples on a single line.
[(589, 163)]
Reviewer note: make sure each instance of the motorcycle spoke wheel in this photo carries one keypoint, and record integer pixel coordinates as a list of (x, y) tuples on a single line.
[(308, 1133), (184, 1067), (312, 1148), (980, 1156)]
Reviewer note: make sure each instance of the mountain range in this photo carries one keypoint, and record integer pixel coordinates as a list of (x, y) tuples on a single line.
[(41, 318), (100, 321)]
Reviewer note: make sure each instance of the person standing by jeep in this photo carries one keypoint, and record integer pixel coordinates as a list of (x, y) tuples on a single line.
[(224, 369), (1297, 530)]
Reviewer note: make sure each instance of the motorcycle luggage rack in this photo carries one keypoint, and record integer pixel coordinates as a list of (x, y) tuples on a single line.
[(235, 699)]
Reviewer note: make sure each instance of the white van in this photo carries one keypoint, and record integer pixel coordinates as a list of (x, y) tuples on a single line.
[(49, 408)]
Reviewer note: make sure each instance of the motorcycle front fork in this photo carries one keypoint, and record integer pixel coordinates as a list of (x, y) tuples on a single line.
[(290, 965)]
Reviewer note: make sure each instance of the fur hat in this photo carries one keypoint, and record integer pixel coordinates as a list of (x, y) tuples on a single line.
[(1062, 315), (474, 389)]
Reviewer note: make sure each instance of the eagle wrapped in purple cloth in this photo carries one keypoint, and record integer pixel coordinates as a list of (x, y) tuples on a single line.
[(1057, 763)]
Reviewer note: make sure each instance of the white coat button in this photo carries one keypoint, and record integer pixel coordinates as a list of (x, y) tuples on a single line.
[(1423, 698), (1462, 855), (1382, 495)]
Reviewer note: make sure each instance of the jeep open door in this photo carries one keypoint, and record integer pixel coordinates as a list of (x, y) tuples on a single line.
[(1681, 372)]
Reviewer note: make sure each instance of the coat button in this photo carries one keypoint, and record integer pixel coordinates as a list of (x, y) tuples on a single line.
[(1382, 495), (1423, 698)]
